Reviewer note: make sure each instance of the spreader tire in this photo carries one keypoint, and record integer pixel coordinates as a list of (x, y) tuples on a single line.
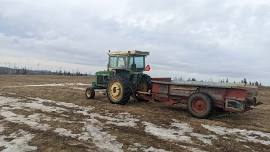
[(200, 105), (118, 90), (90, 93)]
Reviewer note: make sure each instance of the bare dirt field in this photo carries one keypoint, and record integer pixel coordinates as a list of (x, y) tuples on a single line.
[(50, 113)]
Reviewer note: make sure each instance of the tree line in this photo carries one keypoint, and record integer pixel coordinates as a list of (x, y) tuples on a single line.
[(26, 71), (243, 81)]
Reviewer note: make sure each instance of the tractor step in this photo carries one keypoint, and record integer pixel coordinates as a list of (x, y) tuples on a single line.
[(145, 93)]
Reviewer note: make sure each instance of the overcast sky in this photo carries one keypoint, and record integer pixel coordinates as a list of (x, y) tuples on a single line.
[(206, 39)]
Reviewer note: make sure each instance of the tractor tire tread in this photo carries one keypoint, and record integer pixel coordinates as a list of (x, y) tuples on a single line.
[(126, 90)]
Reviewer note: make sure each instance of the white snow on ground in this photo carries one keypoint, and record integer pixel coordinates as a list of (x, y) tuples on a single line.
[(17, 142), (152, 149), (83, 84), (11, 93), (32, 120), (181, 132), (121, 119), (65, 132), (102, 139), (78, 88), (46, 85), (242, 134), (206, 139), (65, 105), (95, 125), (51, 85), (173, 134), (14, 103), (93, 128), (139, 147)]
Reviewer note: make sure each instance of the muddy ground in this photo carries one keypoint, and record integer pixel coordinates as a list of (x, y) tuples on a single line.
[(50, 113)]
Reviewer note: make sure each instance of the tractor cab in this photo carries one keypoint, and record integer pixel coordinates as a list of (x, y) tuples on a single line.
[(133, 61)]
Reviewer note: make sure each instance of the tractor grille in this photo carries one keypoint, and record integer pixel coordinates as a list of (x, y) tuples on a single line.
[(100, 79)]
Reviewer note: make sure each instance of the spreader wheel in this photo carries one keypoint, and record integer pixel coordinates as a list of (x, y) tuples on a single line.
[(200, 105), (118, 90), (90, 93)]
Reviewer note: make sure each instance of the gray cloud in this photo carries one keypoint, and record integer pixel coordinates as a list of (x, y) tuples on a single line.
[(203, 38)]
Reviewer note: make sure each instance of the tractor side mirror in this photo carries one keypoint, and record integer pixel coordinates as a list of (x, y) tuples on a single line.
[(147, 68)]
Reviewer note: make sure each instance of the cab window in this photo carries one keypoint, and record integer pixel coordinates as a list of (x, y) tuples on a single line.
[(121, 62), (138, 62), (113, 62), (117, 62)]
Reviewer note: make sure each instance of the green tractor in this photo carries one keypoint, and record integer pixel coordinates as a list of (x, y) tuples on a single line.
[(123, 78)]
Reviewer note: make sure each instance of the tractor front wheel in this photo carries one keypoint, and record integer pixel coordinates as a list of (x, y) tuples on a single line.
[(90, 93), (118, 90)]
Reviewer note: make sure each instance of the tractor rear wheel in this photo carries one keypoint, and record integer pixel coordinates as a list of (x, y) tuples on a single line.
[(200, 105), (90, 93), (144, 84), (118, 90)]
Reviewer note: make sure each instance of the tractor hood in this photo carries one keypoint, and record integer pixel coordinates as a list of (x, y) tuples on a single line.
[(103, 73)]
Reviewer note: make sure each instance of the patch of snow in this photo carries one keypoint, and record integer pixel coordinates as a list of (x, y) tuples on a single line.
[(38, 104), (51, 85), (32, 120), (242, 134), (65, 132), (61, 120), (42, 107), (13, 103), (172, 134), (133, 149), (19, 142), (206, 139), (11, 93), (139, 147), (181, 132), (102, 139), (64, 104), (78, 88), (7, 100), (152, 149), (83, 84), (93, 129), (45, 85), (121, 119)]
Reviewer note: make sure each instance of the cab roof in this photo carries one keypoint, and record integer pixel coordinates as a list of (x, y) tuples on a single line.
[(126, 53)]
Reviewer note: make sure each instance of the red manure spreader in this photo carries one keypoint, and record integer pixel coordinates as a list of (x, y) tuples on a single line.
[(202, 97)]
